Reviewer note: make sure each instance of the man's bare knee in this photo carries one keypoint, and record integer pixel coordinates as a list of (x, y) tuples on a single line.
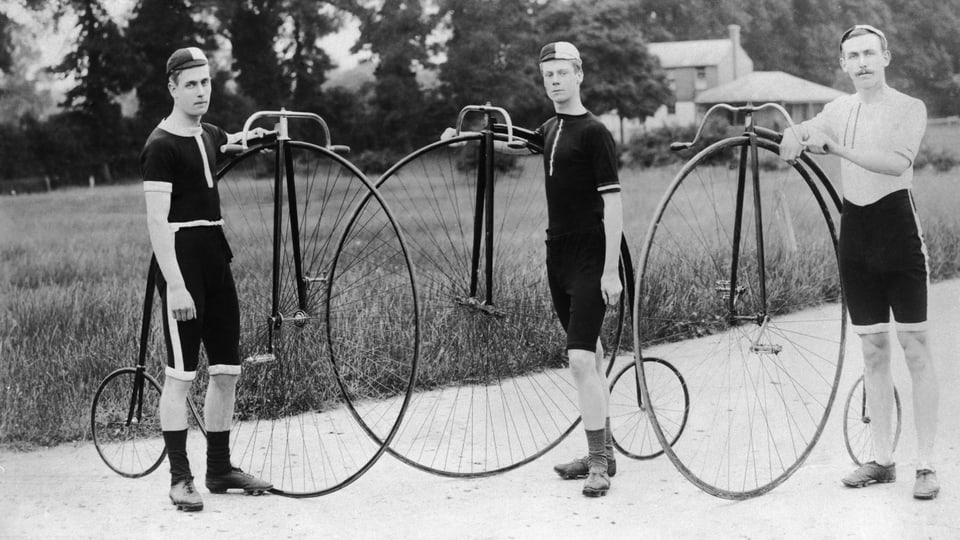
[(876, 350), (224, 381), (582, 362), (916, 350)]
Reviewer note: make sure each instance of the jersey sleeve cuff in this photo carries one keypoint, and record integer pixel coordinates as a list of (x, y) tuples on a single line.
[(609, 188), (160, 187)]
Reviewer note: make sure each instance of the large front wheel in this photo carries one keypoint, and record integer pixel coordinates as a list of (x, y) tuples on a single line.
[(329, 319), (493, 390), (738, 287)]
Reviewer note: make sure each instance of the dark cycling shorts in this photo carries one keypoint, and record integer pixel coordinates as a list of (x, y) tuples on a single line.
[(883, 264), (574, 268), (204, 259)]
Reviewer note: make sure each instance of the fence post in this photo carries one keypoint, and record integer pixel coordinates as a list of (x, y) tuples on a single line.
[(789, 235)]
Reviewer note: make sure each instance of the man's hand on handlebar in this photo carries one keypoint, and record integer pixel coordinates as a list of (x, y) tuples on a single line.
[(797, 139)]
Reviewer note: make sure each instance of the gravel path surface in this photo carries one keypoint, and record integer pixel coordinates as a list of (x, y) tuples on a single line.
[(66, 491)]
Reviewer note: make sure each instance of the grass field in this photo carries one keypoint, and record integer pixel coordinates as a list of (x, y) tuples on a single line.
[(72, 275)]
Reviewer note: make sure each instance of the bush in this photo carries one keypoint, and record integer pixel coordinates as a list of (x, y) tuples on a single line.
[(652, 149), (940, 159)]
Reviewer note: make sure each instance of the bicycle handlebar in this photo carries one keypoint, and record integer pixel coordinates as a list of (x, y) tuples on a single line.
[(489, 110), (282, 131), (748, 109)]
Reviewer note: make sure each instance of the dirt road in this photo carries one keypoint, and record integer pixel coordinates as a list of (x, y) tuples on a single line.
[(67, 492)]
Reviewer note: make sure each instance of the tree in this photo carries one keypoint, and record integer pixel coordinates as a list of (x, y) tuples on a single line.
[(395, 33), (253, 27), (157, 28), (491, 56), (926, 53), (102, 65), (620, 74)]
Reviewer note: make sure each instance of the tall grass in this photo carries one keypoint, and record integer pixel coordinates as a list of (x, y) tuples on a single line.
[(72, 274)]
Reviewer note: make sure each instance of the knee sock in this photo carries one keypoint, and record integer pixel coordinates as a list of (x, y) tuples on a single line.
[(218, 452), (596, 455), (176, 442)]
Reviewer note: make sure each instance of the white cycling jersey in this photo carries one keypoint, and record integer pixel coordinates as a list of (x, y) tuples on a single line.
[(895, 122)]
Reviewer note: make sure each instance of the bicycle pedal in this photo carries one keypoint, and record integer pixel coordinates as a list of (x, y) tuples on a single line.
[(265, 358)]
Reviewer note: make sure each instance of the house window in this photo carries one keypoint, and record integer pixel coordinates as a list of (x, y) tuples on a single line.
[(700, 83)]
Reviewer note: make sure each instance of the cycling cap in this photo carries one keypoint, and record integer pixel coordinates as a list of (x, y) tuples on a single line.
[(559, 50), (185, 58), (866, 28)]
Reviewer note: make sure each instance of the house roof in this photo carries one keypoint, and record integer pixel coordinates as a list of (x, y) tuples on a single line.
[(679, 54), (764, 86)]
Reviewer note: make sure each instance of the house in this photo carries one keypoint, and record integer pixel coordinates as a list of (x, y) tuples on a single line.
[(801, 98), (709, 71), (691, 67)]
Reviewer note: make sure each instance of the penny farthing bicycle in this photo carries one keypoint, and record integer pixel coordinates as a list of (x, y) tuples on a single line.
[(330, 326), (493, 391), (738, 287)]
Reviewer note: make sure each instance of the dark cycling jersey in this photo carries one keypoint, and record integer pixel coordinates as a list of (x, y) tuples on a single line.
[(183, 163), (580, 161)]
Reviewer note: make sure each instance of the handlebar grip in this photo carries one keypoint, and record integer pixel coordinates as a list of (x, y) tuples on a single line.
[(231, 148), (339, 149), (679, 146)]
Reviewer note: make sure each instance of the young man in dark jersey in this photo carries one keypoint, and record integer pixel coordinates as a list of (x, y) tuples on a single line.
[(178, 163), (583, 248), (883, 259)]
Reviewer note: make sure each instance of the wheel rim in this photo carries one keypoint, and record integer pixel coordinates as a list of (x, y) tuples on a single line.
[(492, 391), (350, 351), (761, 393), (126, 424), (857, 435), (633, 435)]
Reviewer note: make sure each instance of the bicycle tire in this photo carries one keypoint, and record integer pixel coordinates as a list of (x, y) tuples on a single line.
[(630, 427), (857, 436), (761, 392), (347, 336), (482, 406), (125, 423)]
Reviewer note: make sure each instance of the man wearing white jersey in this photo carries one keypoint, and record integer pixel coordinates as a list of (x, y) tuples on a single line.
[(883, 259)]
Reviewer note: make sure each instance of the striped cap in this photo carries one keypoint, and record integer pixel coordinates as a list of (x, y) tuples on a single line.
[(559, 50), (185, 58)]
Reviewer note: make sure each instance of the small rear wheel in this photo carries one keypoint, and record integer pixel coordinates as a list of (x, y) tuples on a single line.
[(125, 423), (633, 435), (857, 435)]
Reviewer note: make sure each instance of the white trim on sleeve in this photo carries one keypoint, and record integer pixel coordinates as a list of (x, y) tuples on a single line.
[(152, 186)]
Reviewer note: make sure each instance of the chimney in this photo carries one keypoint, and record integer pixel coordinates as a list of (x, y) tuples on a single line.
[(734, 30)]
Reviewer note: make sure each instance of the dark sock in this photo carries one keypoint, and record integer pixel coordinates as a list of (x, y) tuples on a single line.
[(608, 441), (176, 442), (218, 452), (596, 457)]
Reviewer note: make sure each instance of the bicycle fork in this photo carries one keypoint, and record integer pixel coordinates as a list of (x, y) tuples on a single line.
[(731, 292), (483, 238)]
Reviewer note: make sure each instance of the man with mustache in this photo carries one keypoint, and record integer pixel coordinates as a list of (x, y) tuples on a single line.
[(196, 285), (883, 259)]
